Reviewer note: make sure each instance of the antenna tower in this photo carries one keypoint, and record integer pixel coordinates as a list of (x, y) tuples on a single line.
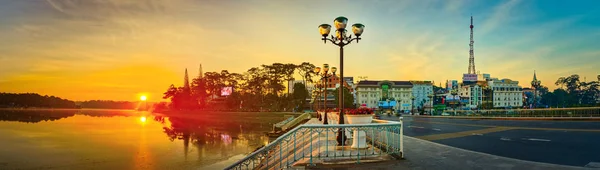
[(471, 55)]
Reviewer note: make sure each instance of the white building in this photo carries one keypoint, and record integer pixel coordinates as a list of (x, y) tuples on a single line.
[(372, 93), (506, 93), (421, 90), (471, 95)]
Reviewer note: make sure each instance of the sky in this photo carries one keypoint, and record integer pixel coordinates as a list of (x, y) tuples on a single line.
[(121, 49)]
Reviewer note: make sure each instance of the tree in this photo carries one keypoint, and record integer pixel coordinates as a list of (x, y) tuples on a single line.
[(579, 93), (199, 91), (348, 97), (299, 95), (306, 71)]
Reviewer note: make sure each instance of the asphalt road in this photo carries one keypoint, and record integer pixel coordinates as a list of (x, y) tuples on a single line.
[(574, 143)]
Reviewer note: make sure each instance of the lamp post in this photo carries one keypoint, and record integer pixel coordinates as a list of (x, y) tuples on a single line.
[(454, 93), (536, 85), (412, 107), (325, 75), (315, 94), (341, 40)]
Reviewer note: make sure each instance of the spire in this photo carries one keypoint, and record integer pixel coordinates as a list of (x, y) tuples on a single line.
[(200, 72), (535, 83), (186, 81)]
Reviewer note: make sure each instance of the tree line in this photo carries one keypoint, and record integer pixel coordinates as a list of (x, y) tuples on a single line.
[(258, 89), (572, 92), (34, 100)]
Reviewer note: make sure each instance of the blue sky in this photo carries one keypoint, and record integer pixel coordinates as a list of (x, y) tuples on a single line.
[(117, 49)]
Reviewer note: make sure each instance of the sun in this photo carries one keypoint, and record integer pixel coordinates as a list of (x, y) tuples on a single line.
[(143, 98)]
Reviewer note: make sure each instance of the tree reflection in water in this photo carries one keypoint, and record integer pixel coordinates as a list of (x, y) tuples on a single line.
[(34, 116), (214, 139)]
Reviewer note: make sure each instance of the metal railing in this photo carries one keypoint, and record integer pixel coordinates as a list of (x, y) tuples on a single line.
[(309, 143), (549, 112)]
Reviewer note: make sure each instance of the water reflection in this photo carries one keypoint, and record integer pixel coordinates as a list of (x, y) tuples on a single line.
[(118, 139), (213, 139), (45, 115), (33, 116)]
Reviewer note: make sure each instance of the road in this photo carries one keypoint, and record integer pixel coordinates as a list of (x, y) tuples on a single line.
[(574, 143)]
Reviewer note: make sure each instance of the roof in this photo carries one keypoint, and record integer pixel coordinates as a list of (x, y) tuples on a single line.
[(377, 83)]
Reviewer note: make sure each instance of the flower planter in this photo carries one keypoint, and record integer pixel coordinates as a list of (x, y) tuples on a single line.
[(359, 138)]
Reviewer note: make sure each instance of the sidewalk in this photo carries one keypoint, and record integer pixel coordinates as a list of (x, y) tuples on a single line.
[(422, 154)]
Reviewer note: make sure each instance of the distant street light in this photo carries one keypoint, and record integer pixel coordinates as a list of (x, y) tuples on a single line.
[(325, 75), (341, 40), (412, 107), (430, 106)]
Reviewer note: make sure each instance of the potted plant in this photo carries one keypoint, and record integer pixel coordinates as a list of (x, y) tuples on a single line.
[(361, 115)]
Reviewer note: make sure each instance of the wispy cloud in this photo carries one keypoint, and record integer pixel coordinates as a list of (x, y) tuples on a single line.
[(102, 44), (500, 16)]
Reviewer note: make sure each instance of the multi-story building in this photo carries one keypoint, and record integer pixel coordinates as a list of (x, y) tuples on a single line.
[(376, 93), (471, 96), (506, 93), (420, 92), (451, 84)]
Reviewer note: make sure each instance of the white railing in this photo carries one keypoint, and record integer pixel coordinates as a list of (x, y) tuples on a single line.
[(310, 142)]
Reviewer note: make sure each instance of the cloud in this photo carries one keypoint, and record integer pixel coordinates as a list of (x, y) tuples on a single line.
[(500, 17)]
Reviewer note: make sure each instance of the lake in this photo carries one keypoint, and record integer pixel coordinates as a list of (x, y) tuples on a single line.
[(120, 139)]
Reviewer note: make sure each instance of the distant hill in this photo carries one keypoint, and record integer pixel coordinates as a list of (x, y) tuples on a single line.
[(34, 100)]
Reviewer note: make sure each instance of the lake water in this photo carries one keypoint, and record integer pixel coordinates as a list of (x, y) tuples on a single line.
[(118, 139)]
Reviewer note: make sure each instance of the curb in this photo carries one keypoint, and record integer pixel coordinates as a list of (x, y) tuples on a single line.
[(518, 118)]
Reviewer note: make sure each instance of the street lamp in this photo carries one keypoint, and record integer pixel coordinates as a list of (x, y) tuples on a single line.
[(341, 40), (315, 94), (325, 75), (412, 107)]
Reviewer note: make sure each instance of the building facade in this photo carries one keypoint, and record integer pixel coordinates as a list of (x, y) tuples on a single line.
[(375, 93), (420, 92), (506, 93), (471, 96)]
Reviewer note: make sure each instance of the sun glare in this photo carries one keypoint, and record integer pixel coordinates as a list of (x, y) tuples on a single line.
[(143, 98), (143, 119)]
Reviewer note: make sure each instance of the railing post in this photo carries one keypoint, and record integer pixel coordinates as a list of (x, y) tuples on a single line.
[(401, 137)]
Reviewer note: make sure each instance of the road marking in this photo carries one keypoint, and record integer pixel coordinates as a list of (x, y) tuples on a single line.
[(514, 127), (479, 132), (418, 127), (437, 129), (593, 165), (505, 139), (534, 139)]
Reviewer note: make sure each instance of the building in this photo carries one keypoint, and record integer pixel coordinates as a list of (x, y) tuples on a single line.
[(420, 92), (506, 93), (471, 95), (291, 84), (350, 82), (452, 84), (376, 94)]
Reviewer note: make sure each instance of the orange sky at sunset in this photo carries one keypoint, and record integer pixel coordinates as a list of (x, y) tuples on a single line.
[(120, 49)]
